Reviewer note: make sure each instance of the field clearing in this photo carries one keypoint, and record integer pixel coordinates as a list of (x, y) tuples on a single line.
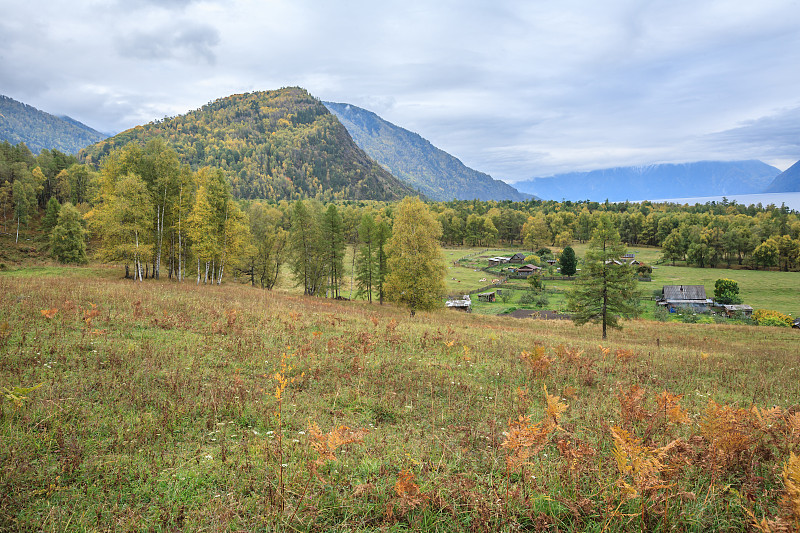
[(158, 411)]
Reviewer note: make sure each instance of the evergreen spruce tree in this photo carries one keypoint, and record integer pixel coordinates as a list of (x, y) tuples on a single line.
[(606, 288), (569, 263)]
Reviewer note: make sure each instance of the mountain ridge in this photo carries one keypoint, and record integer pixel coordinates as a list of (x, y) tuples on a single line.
[(280, 144), (659, 180), (786, 181), (417, 162), (39, 130)]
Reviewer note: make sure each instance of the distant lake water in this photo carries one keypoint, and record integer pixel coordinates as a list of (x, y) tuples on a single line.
[(791, 199)]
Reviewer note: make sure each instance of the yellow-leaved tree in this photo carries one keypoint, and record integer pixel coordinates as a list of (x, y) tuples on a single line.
[(416, 264)]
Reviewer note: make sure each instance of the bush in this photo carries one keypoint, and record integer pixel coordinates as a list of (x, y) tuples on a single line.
[(768, 317), (773, 321)]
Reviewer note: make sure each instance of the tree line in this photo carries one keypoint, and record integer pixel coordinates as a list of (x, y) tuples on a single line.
[(147, 210)]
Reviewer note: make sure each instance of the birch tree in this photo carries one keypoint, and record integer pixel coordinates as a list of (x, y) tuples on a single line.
[(415, 261), (123, 220)]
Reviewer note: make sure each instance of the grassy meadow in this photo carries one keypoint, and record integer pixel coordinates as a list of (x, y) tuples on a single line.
[(172, 407)]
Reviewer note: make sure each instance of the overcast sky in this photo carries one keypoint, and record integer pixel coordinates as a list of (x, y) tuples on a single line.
[(516, 89)]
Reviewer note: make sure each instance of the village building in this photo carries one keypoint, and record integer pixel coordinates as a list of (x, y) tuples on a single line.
[(692, 297), (460, 304), (494, 261), (487, 296), (731, 310), (518, 257), (527, 270)]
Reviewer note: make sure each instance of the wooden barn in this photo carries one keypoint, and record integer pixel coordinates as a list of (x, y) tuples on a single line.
[(692, 297)]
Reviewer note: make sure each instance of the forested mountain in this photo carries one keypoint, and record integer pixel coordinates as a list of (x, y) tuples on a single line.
[(416, 161), (651, 182), (39, 130), (274, 144), (787, 181)]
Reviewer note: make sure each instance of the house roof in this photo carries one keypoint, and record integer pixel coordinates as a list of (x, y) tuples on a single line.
[(684, 292), (528, 268), (737, 307)]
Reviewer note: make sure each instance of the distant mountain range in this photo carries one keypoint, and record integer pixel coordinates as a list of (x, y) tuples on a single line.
[(704, 178), (38, 130), (281, 144), (414, 160), (787, 181)]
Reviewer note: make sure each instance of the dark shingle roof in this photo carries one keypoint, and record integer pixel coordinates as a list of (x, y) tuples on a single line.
[(684, 292)]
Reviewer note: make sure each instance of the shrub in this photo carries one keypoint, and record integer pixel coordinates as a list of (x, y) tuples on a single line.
[(768, 317)]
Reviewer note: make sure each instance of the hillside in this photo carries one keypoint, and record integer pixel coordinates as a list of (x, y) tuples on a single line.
[(39, 130), (704, 178), (274, 144), (787, 181), (236, 409), (417, 162)]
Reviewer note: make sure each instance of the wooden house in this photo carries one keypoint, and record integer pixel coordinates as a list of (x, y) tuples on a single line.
[(460, 304), (518, 257), (692, 297), (732, 309), (486, 296), (494, 261), (527, 270)]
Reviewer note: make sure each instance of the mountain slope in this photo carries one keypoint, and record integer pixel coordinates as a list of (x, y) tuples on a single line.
[(704, 178), (281, 144), (39, 130), (787, 181), (417, 162)]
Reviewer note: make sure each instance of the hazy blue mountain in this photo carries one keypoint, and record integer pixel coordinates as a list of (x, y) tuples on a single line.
[(703, 178), (415, 161), (787, 181), (38, 130)]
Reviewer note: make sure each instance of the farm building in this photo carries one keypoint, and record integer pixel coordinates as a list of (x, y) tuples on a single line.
[(462, 304), (733, 309), (486, 296), (527, 270), (518, 257), (494, 261), (690, 296)]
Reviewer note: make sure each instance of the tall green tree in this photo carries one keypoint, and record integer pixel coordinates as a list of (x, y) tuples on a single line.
[(569, 263), (367, 264), (605, 289), (333, 242), (382, 235), (307, 252), (416, 264), (50, 218), (68, 238)]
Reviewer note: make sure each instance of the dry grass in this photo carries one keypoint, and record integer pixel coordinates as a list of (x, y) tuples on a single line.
[(158, 411)]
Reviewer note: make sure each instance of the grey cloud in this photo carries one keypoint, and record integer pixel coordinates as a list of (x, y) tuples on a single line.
[(177, 42)]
